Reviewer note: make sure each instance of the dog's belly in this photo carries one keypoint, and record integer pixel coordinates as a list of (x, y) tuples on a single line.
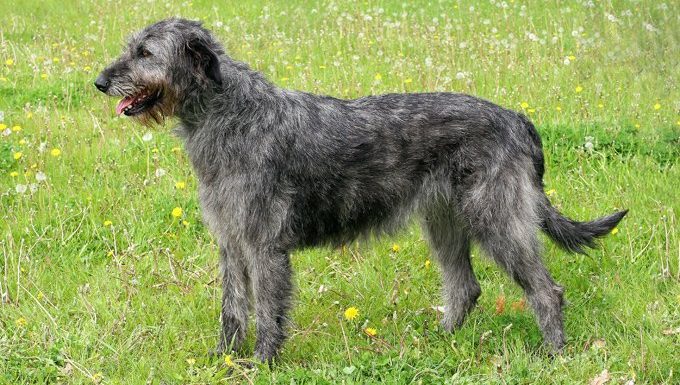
[(340, 214)]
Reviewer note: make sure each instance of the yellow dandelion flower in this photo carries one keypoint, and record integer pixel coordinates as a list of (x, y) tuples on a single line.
[(177, 212), (550, 192), (396, 248), (40, 295), (378, 76), (20, 322), (180, 185), (427, 263), (154, 150), (2, 126), (371, 331), (55, 152), (176, 149), (578, 89), (615, 230), (531, 110), (97, 377), (186, 223), (110, 253), (571, 57), (600, 105), (43, 76), (408, 81), (9, 62), (22, 142), (87, 68), (322, 67), (351, 313), (657, 107), (18, 155), (107, 223), (524, 105), (16, 128), (191, 361), (14, 174), (228, 361)]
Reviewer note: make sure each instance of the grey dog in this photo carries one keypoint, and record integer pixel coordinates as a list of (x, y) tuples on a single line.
[(280, 170)]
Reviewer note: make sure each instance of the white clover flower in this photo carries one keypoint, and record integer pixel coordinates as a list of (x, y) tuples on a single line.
[(160, 172), (589, 143), (649, 27)]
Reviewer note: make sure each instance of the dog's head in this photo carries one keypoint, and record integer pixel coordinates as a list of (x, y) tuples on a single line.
[(160, 67)]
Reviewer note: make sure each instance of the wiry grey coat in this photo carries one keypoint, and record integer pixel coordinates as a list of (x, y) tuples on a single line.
[(281, 169)]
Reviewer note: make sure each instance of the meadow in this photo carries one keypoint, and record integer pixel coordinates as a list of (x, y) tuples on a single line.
[(108, 276)]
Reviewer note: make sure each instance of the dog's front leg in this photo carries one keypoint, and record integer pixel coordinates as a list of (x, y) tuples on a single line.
[(271, 273), (235, 299)]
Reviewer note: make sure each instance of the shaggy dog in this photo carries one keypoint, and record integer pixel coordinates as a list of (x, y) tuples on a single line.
[(280, 169)]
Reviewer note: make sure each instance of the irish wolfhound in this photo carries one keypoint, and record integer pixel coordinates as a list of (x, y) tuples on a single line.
[(281, 169)]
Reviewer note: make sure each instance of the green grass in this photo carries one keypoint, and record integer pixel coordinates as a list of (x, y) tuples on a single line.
[(137, 301)]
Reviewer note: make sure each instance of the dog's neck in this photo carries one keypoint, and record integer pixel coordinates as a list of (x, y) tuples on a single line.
[(242, 89)]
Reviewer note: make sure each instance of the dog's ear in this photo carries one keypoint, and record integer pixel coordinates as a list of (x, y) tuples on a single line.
[(205, 59)]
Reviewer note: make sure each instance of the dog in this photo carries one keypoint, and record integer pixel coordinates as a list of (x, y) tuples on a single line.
[(280, 169)]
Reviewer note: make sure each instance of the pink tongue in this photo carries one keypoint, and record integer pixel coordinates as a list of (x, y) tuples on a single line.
[(124, 103)]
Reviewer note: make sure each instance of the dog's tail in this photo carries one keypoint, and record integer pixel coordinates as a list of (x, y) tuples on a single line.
[(569, 234), (572, 235)]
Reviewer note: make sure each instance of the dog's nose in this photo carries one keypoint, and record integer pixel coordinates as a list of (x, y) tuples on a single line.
[(102, 83)]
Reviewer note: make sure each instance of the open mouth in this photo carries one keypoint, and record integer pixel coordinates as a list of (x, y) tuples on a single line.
[(136, 104)]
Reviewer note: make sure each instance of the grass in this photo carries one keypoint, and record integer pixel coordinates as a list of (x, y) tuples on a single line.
[(101, 284)]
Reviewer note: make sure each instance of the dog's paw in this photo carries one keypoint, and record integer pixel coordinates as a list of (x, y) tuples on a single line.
[(215, 353), (265, 357)]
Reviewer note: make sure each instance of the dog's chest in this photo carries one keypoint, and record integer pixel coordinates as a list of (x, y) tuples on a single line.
[(224, 205)]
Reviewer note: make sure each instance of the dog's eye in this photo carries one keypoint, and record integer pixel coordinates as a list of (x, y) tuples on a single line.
[(143, 52)]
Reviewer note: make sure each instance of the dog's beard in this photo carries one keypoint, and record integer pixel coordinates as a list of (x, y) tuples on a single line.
[(163, 108)]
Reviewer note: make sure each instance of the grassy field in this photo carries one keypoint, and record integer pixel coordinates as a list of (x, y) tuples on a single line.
[(100, 283)]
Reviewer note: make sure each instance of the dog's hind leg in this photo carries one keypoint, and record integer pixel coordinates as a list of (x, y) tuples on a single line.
[(450, 243), (272, 282), (501, 210), (235, 299)]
